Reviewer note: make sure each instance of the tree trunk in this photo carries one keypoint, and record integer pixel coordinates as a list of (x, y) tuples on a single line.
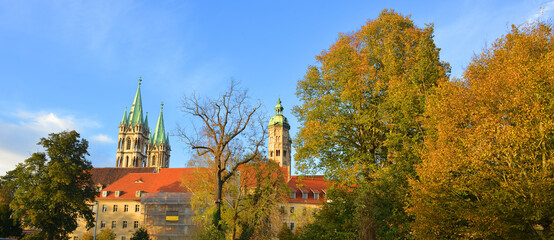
[(218, 198)]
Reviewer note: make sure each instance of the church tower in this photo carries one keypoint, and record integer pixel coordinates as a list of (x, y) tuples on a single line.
[(158, 146), (133, 136), (279, 139)]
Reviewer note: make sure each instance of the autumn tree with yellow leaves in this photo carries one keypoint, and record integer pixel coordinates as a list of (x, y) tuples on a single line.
[(488, 172), (361, 116)]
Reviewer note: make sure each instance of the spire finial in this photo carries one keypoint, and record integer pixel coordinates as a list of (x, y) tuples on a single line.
[(279, 108), (162, 105), (140, 80)]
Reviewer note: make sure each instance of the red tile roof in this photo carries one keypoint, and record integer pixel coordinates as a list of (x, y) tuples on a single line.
[(106, 176), (167, 180), (170, 180), (308, 184)]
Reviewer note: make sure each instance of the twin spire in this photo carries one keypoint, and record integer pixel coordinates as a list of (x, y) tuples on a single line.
[(159, 136), (135, 117)]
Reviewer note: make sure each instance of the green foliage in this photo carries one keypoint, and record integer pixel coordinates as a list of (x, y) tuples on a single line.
[(489, 169), (336, 219), (87, 236), (286, 234), (263, 188), (209, 232), (106, 234), (361, 115), (9, 227), (51, 193), (34, 236), (140, 234)]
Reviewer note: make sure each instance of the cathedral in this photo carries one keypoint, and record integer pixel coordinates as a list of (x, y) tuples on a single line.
[(142, 191), (137, 146)]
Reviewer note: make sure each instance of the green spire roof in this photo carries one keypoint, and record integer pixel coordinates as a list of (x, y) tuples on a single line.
[(279, 119), (159, 136), (135, 115), (124, 120), (146, 120)]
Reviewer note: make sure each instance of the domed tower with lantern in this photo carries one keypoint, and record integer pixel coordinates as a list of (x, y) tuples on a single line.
[(279, 138)]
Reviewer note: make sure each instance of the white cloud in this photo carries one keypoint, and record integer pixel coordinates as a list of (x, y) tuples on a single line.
[(544, 12), (102, 138), (21, 131), (48, 122), (9, 159)]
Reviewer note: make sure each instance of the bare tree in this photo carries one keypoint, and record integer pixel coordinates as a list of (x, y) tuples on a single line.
[(227, 131)]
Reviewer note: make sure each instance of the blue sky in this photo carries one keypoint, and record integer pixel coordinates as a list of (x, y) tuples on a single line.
[(75, 64)]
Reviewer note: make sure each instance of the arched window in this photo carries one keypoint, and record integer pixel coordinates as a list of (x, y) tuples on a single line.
[(119, 144), (128, 144), (127, 159)]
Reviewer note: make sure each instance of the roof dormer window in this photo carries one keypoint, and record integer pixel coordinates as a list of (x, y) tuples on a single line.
[(138, 193), (316, 196), (117, 193), (104, 193), (304, 195), (293, 195)]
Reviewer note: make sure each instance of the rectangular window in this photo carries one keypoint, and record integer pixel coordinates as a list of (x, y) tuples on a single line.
[(104, 208), (293, 195), (291, 209), (126, 208), (102, 224), (172, 216), (114, 225), (277, 153), (114, 208), (270, 153), (316, 196), (123, 238), (137, 208), (124, 224), (135, 225), (75, 238), (284, 153), (283, 209), (304, 195), (292, 226)]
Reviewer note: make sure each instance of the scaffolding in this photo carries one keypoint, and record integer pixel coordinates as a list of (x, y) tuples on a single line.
[(168, 215)]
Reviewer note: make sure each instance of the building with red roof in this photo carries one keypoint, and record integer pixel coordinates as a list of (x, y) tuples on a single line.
[(131, 197)]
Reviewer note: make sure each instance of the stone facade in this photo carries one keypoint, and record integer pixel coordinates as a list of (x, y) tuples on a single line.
[(136, 146)]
